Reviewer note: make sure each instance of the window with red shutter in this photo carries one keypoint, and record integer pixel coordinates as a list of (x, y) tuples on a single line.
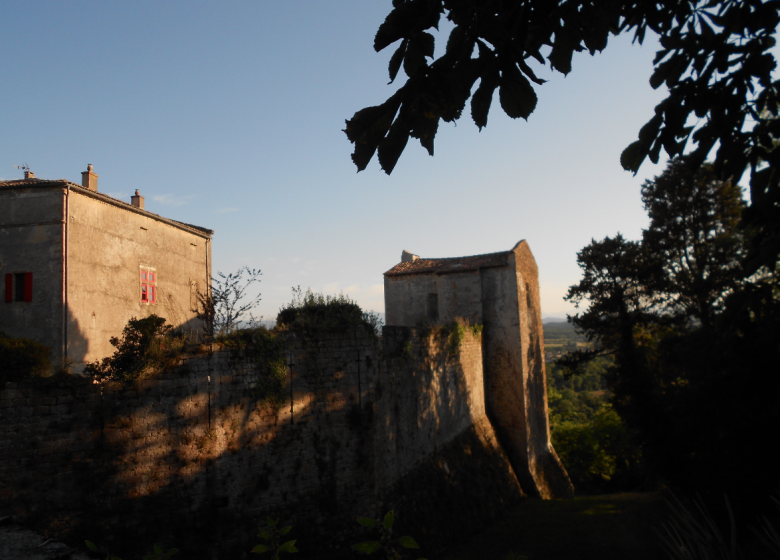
[(148, 286), (18, 287), (28, 287)]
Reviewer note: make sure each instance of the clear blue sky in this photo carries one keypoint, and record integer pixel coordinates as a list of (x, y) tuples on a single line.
[(228, 115)]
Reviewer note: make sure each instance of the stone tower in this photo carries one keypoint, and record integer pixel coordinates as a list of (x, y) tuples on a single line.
[(500, 291)]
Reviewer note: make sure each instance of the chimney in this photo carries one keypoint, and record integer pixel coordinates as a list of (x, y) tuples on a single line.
[(406, 256), (29, 174), (137, 200), (89, 179)]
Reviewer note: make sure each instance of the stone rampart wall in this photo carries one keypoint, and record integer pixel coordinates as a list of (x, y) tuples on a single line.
[(196, 457)]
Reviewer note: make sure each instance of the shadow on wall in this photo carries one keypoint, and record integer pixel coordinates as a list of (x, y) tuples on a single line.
[(189, 459), (200, 456), (81, 337), (77, 343)]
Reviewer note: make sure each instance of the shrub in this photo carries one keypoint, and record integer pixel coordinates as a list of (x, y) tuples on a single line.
[(145, 347), (313, 312), (21, 358), (599, 454), (263, 348)]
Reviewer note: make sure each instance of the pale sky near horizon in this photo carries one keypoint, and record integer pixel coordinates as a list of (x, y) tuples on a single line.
[(229, 115)]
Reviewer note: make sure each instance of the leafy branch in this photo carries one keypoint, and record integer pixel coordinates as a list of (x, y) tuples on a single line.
[(272, 535), (386, 543), (223, 306)]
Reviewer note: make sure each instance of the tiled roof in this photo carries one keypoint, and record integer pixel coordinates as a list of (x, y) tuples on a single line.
[(32, 182), (62, 183), (449, 266)]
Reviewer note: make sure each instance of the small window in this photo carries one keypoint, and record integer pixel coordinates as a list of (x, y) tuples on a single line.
[(433, 307), (18, 287), (148, 286)]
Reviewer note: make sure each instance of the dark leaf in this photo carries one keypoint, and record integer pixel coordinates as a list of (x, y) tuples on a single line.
[(416, 52), (483, 97), (560, 57), (389, 518), (260, 548), (367, 547), (633, 156), (406, 20), (655, 151), (456, 40), (425, 127), (396, 60), (393, 145), (427, 43), (408, 542), (362, 155), (649, 132), (516, 94), (368, 128)]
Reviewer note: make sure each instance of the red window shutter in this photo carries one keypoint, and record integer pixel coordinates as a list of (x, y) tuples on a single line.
[(9, 287), (28, 286)]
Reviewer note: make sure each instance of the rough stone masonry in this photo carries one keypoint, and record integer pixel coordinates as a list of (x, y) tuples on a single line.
[(197, 460)]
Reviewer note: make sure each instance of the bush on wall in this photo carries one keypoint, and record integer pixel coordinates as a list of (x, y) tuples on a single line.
[(314, 312), (21, 358), (266, 350), (146, 346)]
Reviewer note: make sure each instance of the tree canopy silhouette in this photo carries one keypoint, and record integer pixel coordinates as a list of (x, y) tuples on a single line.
[(691, 340), (714, 59)]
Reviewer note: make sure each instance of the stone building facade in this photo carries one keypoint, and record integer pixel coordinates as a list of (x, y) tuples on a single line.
[(501, 292), (77, 265)]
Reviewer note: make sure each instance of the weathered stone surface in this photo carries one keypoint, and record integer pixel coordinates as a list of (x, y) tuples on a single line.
[(18, 543), (85, 251), (500, 291), (196, 458)]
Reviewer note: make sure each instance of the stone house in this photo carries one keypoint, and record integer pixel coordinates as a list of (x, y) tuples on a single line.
[(77, 264), (501, 292)]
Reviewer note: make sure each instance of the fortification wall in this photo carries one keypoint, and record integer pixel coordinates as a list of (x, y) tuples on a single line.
[(196, 457)]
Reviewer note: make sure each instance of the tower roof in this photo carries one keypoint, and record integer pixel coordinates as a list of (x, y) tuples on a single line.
[(450, 265)]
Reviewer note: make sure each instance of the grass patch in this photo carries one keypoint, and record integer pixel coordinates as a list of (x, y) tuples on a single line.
[(616, 526)]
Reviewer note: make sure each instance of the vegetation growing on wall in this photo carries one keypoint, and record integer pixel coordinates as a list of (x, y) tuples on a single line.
[(452, 334), (146, 346), (22, 358), (312, 312), (265, 350)]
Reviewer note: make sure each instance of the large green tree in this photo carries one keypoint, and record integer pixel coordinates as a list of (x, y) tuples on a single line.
[(693, 239), (693, 342), (715, 60)]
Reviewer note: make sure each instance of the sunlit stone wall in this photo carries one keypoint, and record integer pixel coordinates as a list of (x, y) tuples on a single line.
[(196, 459)]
